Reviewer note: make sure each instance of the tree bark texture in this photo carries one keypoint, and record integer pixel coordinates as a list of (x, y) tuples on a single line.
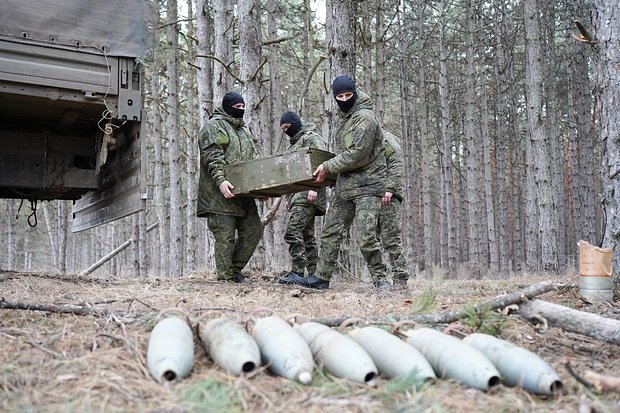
[(223, 13), (446, 152), (174, 152), (606, 21), (542, 233)]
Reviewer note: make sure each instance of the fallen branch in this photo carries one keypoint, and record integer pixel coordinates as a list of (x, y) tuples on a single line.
[(566, 363), (451, 316), (568, 319), (113, 253), (53, 308), (602, 382)]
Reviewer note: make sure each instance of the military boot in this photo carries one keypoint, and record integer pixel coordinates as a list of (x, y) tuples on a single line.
[(288, 278), (311, 281)]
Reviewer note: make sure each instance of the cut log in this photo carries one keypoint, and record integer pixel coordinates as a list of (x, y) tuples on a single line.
[(568, 319)]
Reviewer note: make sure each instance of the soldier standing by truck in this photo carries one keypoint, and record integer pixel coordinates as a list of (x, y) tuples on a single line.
[(361, 167), (392, 209), (234, 222), (302, 206)]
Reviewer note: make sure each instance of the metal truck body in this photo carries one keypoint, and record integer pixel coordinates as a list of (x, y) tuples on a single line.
[(71, 113)]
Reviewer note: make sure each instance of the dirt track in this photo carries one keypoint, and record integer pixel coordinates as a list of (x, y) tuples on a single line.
[(52, 362)]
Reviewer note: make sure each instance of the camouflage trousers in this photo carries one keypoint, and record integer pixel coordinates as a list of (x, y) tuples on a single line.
[(389, 228), (300, 238), (340, 215), (232, 252)]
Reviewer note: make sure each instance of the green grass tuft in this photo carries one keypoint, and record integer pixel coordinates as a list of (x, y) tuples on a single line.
[(212, 396)]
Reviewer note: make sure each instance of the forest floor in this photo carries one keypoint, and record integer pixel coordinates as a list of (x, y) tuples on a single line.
[(63, 362)]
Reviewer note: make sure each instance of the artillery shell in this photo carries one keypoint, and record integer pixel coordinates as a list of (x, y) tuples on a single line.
[(229, 345), (283, 349), (518, 366), (392, 355), (170, 352), (338, 353), (450, 357)]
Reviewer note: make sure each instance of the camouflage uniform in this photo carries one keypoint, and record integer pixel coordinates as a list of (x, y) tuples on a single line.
[(360, 165), (391, 215), (226, 140), (299, 234)]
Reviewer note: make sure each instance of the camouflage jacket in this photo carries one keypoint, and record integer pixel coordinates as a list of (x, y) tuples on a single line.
[(308, 137), (223, 140), (360, 162), (394, 158)]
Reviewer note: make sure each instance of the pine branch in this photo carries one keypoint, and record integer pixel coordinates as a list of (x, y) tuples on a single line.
[(451, 316)]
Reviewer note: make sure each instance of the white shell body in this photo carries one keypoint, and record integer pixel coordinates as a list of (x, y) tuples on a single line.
[(338, 353), (392, 356), (170, 352), (283, 349), (518, 366), (230, 346), (451, 357)]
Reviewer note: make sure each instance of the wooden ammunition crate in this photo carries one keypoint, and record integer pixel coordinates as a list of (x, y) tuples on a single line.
[(279, 174)]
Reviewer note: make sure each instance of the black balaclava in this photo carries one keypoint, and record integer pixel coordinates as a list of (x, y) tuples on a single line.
[(230, 99), (343, 84), (292, 118)]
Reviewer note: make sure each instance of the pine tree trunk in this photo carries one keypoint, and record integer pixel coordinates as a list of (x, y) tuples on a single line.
[(422, 119), (446, 150), (223, 12), (540, 197), (584, 149), (62, 230), (488, 189), (555, 147), (172, 128), (205, 75), (10, 241), (51, 232), (502, 128), (190, 146), (250, 52), (606, 20), (162, 262), (279, 254), (380, 74), (472, 142)]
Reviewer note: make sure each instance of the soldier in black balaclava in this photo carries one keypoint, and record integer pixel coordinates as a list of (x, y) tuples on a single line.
[(344, 85), (303, 206), (360, 186), (233, 104), (234, 221)]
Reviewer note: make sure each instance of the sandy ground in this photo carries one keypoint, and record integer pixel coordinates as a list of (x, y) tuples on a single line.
[(53, 362)]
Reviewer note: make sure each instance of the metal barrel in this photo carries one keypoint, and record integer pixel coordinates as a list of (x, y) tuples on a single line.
[(596, 289), (339, 354), (283, 349), (170, 352), (517, 366), (392, 356), (229, 345), (451, 357)]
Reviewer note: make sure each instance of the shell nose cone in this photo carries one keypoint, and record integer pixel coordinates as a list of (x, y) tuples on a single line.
[(305, 377)]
